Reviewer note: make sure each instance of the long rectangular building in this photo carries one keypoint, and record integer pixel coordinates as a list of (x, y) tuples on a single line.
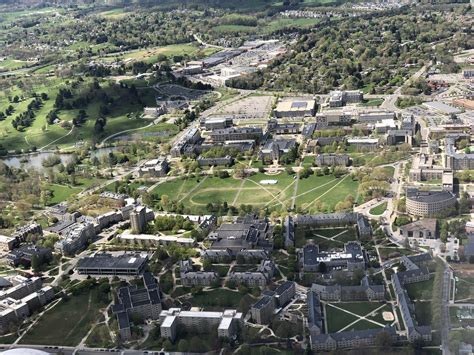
[(108, 264)]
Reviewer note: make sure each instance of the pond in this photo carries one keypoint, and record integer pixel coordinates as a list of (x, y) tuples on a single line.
[(35, 160)]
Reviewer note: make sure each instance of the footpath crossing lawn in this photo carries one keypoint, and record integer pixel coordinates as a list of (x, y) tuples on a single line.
[(337, 319), (196, 193), (67, 322)]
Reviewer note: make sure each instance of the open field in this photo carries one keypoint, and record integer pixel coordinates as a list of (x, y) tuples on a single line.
[(71, 320), (338, 320), (40, 134), (151, 55), (196, 193), (61, 193), (327, 238)]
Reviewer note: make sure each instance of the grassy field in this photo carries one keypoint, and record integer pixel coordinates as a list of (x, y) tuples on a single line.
[(100, 337), (338, 236), (39, 134), (71, 320), (360, 308), (379, 209), (196, 193), (222, 298), (61, 192), (372, 103), (337, 319), (420, 290), (423, 313), (151, 55)]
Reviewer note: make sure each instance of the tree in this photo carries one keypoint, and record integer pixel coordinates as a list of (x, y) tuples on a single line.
[(35, 263), (383, 340), (206, 265), (322, 267), (183, 345)]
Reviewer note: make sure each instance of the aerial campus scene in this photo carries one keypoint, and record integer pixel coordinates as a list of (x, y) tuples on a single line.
[(247, 176)]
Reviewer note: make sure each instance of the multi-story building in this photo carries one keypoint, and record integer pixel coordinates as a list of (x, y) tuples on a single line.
[(236, 133), (191, 137), (284, 293), (76, 238), (22, 287), (426, 228), (295, 107), (333, 118), (332, 160), (227, 322), (396, 136), (350, 339), (289, 232), (29, 229), (341, 98), (248, 278), (156, 167), (315, 315), (217, 256), (424, 168), (275, 127), (262, 310), (353, 257), (8, 243), (24, 254), (414, 262), (252, 256), (364, 291), (454, 160), (468, 73), (126, 264), (375, 116), (247, 233), (414, 332), (428, 203), (138, 219), (273, 149), (142, 302), (414, 275), (364, 143), (189, 277), (155, 112), (21, 301), (220, 122), (218, 161)]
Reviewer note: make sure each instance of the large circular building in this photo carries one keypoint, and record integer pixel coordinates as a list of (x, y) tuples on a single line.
[(429, 203)]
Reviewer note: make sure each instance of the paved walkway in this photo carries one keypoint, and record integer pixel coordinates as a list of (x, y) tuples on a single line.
[(358, 316)]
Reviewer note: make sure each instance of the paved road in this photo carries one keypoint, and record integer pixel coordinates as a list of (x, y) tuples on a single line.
[(68, 350), (390, 100), (445, 318)]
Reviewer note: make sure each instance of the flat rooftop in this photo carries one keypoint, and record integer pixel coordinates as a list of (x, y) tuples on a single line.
[(109, 261), (296, 105)]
